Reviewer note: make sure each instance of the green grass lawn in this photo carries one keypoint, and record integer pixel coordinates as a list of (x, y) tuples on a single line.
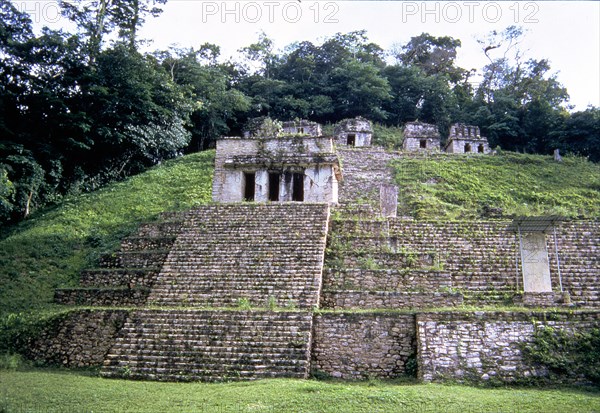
[(51, 248), (62, 391), (462, 186)]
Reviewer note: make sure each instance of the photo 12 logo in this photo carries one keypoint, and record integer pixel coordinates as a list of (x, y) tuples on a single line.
[(48, 12), (269, 11), (469, 11)]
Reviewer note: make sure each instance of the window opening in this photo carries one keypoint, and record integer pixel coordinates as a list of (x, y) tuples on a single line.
[(423, 143), (249, 185), (298, 187), (274, 179), (351, 140)]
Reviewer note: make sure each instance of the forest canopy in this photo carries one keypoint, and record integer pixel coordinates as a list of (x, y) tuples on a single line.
[(79, 110)]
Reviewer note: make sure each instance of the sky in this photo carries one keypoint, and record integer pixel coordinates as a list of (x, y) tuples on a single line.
[(567, 33)]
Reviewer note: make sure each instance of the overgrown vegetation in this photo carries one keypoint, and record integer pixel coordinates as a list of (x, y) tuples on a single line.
[(84, 108), (573, 355), (451, 186), (51, 248), (54, 391)]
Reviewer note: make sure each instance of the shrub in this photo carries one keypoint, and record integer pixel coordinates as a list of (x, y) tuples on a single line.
[(567, 355)]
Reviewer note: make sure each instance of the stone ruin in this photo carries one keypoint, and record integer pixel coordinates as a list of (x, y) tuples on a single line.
[(354, 132), (192, 296), (466, 139), (425, 137), (277, 164), (420, 137), (302, 127)]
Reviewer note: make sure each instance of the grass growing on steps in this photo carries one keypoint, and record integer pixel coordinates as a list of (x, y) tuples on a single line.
[(59, 391), (463, 186), (51, 248)]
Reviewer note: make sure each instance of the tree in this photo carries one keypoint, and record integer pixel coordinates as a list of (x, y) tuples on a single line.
[(580, 134), (6, 194), (357, 88), (524, 100), (433, 55), (97, 18), (216, 102)]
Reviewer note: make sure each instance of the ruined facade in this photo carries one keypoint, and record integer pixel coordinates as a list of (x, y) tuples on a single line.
[(302, 127), (466, 139), (354, 132), (420, 137), (188, 279), (280, 167)]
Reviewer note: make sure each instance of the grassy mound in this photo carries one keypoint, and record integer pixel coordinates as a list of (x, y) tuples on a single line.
[(51, 248), (463, 186)]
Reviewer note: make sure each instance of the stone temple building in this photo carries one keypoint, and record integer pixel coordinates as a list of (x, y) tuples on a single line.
[(466, 139), (421, 137), (354, 132), (270, 164), (302, 127)]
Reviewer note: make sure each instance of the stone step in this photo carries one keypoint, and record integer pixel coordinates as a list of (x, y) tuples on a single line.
[(211, 345), (119, 277), (103, 297), (134, 259), (134, 243), (342, 300)]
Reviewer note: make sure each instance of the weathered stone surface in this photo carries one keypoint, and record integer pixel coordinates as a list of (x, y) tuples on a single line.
[(81, 338), (183, 345), (420, 137), (535, 263), (359, 346), (354, 132), (312, 157), (254, 252), (466, 139), (481, 346)]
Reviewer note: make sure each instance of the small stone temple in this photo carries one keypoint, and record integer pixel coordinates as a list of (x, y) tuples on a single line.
[(277, 163), (466, 139), (354, 132), (420, 137), (302, 127)]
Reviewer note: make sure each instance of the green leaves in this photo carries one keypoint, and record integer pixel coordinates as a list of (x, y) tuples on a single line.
[(573, 355)]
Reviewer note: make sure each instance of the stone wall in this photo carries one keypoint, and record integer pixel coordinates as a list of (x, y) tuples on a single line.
[(354, 132), (478, 259), (458, 145), (358, 346), (389, 299), (365, 170), (106, 297), (417, 132), (80, 338), (485, 346), (313, 157), (302, 126)]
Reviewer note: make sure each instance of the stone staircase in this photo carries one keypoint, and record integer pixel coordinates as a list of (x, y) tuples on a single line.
[(183, 345), (579, 255), (259, 254), (365, 169), (125, 277), (229, 258), (396, 263)]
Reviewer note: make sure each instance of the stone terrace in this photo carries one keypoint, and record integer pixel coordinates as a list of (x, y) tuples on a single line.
[(262, 253), (365, 169), (396, 263), (126, 276), (183, 345)]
